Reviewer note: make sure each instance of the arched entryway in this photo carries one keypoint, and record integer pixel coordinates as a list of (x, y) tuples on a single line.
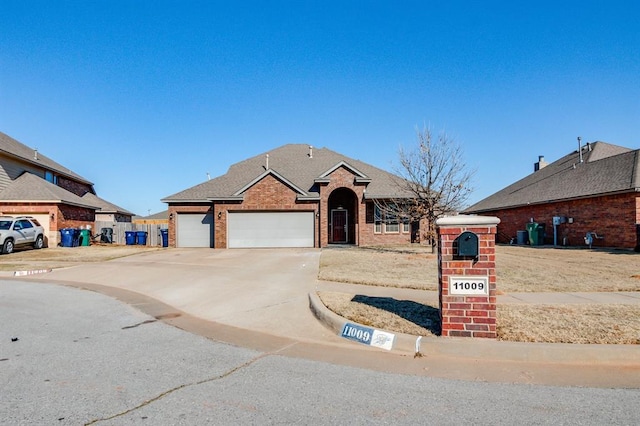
[(343, 216)]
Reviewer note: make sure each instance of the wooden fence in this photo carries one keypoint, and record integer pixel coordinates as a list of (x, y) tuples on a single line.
[(119, 229)]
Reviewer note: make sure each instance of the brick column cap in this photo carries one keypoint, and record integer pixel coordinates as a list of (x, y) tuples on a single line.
[(467, 220)]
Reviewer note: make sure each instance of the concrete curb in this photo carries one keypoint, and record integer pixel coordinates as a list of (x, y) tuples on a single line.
[(487, 349), (331, 320)]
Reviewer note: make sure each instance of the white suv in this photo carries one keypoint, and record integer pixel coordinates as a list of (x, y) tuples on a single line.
[(20, 231)]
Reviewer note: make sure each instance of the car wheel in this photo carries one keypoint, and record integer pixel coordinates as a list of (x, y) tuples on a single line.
[(39, 242), (8, 247)]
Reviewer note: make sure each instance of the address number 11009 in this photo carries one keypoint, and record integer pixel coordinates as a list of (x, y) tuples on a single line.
[(469, 285)]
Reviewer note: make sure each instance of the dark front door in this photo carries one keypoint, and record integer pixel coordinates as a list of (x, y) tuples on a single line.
[(339, 226)]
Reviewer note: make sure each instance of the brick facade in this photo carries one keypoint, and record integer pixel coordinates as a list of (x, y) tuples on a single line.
[(612, 217), (73, 186), (60, 216), (467, 315), (272, 195)]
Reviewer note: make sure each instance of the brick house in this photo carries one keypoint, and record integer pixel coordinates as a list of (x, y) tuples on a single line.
[(592, 192), (32, 184), (292, 196)]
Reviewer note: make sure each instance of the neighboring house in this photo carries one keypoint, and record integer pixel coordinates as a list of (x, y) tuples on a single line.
[(293, 196), (33, 184), (594, 191), (108, 212)]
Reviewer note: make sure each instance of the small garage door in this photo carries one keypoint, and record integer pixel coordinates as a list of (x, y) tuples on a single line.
[(270, 229), (195, 230)]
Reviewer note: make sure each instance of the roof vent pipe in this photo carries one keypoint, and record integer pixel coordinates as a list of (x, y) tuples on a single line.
[(35, 154), (267, 161), (310, 151), (580, 148)]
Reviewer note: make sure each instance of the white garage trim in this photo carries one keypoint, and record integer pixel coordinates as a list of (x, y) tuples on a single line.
[(194, 230), (270, 229)]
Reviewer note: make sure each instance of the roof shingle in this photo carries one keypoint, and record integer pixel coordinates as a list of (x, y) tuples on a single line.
[(14, 148), (31, 188), (605, 169), (297, 165)]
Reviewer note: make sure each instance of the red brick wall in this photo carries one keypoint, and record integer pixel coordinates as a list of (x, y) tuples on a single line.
[(365, 235), (340, 178), (467, 315), (614, 217), (64, 216), (75, 217), (72, 186)]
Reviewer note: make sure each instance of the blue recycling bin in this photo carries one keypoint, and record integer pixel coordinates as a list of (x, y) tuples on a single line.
[(67, 236), (165, 237), (130, 237), (141, 238)]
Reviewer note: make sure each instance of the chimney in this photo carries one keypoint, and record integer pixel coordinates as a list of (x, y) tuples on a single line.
[(310, 151), (541, 164)]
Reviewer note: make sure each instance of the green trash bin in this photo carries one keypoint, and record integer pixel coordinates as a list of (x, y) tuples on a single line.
[(85, 237), (532, 230)]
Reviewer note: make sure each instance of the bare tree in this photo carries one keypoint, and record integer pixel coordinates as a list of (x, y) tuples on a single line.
[(434, 181)]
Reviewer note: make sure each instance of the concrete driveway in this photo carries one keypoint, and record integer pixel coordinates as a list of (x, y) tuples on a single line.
[(262, 290)]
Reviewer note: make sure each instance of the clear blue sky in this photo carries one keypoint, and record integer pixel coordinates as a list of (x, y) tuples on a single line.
[(143, 98)]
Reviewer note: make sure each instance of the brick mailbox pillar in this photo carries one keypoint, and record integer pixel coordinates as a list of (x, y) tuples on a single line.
[(467, 275)]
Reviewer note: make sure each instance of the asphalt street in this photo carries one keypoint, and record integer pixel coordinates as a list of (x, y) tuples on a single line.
[(84, 358)]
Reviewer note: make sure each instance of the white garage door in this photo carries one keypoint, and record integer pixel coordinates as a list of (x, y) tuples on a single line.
[(195, 230), (270, 229)]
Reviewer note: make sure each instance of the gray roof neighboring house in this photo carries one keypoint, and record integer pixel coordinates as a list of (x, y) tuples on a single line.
[(605, 169), (29, 188), (104, 205), (163, 215), (12, 147), (297, 165)]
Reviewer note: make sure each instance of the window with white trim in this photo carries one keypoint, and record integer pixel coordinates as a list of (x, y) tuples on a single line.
[(377, 219)]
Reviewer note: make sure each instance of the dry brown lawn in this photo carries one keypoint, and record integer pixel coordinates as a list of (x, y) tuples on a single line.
[(519, 269), (61, 257)]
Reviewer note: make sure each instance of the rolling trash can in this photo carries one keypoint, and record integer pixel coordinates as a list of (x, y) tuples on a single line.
[(106, 235), (165, 237), (85, 237), (130, 237), (141, 238), (66, 237)]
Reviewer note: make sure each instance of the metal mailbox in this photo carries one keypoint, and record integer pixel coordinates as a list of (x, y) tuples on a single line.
[(467, 245)]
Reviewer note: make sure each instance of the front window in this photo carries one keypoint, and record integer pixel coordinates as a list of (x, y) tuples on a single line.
[(385, 221)]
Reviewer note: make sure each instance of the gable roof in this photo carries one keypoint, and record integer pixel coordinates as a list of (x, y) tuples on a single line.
[(296, 166), (104, 205), (13, 148), (606, 169), (30, 188), (163, 215)]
